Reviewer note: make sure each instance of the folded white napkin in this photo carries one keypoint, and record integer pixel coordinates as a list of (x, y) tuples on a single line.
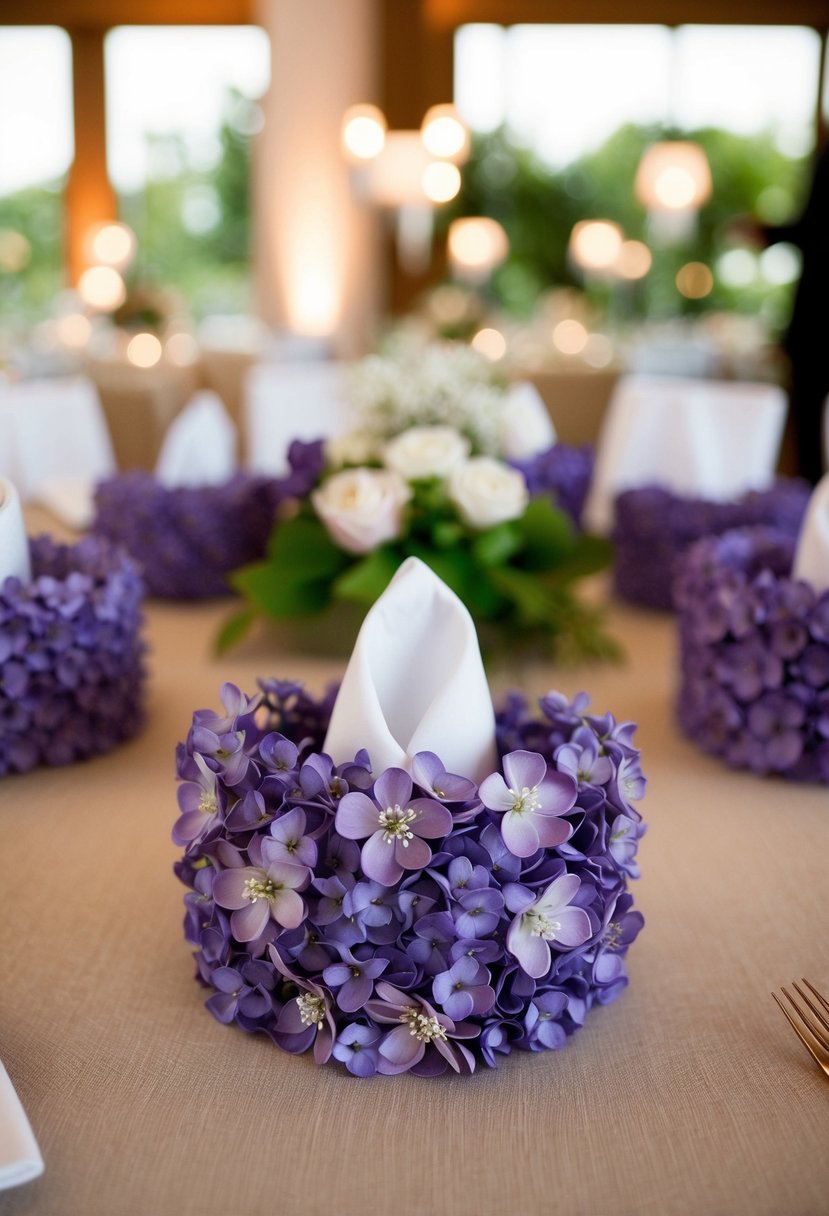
[(811, 559), (14, 544), (20, 1159), (286, 401), (199, 448), (526, 426), (415, 682), (699, 438)]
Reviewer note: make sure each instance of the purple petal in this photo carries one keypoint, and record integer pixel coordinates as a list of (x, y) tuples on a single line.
[(524, 769), (551, 830), (229, 888), (520, 836), (413, 855), (401, 1047), (558, 792), (574, 927), (494, 793), (532, 953), (226, 979), (247, 923), (357, 816), (393, 788), (379, 862), (288, 909), (559, 893), (433, 820)]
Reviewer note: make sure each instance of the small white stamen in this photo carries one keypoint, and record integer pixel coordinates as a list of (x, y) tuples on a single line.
[(526, 799), (395, 824), (541, 926), (311, 1009), (255, 889), (423, 1027)]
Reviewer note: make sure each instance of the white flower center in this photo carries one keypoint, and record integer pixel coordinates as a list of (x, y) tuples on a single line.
[(423, 1027), (207, 803), (525, 800), (540, 926), (395, 824), (255, 888), (311, 1009)]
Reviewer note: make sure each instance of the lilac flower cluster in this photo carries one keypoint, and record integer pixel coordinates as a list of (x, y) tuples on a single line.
[(654, 527), (563, 472), (407, 922), (71, 655), (755, 656), (186, 540)]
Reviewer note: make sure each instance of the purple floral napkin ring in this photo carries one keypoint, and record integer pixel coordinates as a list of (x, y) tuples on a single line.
[(71, 655), (187, 539), (754, 684), (407, 922), (654, 526)]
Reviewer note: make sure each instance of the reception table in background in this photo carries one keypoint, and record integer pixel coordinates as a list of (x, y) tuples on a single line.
[(689, 1095)]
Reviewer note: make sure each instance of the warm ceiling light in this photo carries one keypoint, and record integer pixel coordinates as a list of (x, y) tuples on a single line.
[(182, 349), (634, 260), (596, 244), (694, 280), (111, 245), (476, 245), (673, 176), (102, 288), (15, 251), (363, 132), (570, 337), (441, 181), (144, 350), (444, 134), (490, 343), (74, 330)]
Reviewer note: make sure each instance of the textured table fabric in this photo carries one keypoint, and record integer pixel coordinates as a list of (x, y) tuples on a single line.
[(689, 1095)]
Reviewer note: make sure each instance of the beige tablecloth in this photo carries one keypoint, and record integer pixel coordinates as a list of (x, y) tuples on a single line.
[(689, 1095)]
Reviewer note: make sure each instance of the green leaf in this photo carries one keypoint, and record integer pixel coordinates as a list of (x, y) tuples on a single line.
[(281, 593), (496, 546), (234, 630), (301, 546), (531, 599), (549, 537), (446, 533), (367, 579), (590, 554)]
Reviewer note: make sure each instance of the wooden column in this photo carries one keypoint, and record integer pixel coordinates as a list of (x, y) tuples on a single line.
[(89, 197), (417, 71)]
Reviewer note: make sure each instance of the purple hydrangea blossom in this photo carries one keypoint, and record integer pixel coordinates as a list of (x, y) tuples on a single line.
[(449, 963), (654, 527), (531, 798), (72, 674), (563, 472), (186, 540), (754, 683)]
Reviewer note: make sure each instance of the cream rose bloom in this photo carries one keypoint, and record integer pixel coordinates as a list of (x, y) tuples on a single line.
[(425, 451), (353, 447), (487, 492), (361, 508)]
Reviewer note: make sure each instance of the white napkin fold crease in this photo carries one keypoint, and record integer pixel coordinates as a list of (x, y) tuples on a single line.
[(811, 559), (200, 445), (415, 682), (20, 1159), (14, 544)]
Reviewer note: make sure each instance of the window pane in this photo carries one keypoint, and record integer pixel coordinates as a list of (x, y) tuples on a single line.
[(180, 117)]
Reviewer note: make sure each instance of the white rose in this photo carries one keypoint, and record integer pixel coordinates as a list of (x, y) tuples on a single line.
[(425, 451), (487, 492), (361, 508), (526, 428)]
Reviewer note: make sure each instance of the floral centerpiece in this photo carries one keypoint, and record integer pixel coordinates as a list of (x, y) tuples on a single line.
[(654, 526), (186, 539), (71, 655), (407, 921), (755, 656), (447, 466)]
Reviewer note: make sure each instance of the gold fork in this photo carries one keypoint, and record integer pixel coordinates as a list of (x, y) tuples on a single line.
[(813, 1031)]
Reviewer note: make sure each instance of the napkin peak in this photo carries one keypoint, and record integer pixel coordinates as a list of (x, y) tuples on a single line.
[(415, 682)]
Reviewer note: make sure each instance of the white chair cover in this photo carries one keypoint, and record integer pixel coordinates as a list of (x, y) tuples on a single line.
[(287, 401), (696, 437)]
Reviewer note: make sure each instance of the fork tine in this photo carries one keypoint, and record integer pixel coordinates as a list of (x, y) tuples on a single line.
[(821, 1036), (817, 1055), (815, 992)]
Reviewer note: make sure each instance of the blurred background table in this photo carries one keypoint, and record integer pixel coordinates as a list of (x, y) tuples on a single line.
[(689, 1095)]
